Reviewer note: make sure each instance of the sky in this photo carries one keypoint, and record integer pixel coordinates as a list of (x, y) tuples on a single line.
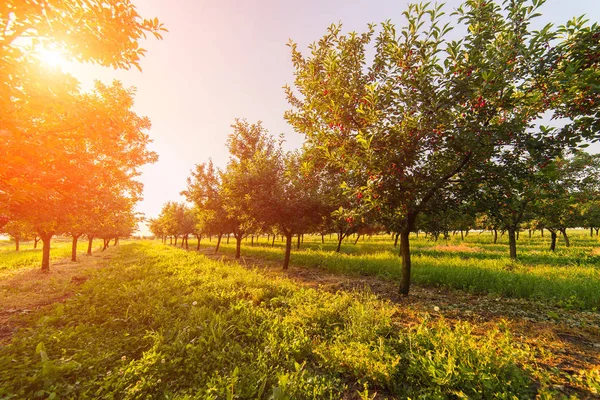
[(227, 59)]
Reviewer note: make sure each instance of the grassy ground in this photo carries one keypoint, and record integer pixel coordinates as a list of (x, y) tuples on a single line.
[(569, 277), (28, 257), (153, 321)]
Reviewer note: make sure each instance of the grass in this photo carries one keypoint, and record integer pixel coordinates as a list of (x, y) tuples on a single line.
[(28, 257), (569, 277), (159, 322)]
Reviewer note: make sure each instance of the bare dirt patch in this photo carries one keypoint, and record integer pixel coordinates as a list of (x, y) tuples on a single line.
[(23, 291)]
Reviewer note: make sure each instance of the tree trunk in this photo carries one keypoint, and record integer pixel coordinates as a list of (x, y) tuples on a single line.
[(530, 234), (171, 238), (35, 241), (219, 241), (564, 233), (116, 242), (396, 240), (17, 243), (340, 238), (75, 239), (238, 247), (273, 242), (298, 243), (288, 251), (252, 241), (228, 238), (90, 241), (552, 240), (176, 240), (462, 235), (186, 241), (46, 238), (406, 264), (591, 232), (542, 231), (357, 237), (199, 237), (512, 243), (518, 231), (322, 239), (495, 236)]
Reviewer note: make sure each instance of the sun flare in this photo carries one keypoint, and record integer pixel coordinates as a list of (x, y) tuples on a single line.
[(53, 58)]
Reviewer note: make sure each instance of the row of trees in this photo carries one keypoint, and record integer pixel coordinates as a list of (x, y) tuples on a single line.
[(69, 158), (403, 125), (274, 196)]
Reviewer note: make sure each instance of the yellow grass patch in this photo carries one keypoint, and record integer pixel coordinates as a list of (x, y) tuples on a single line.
[(457, 248)]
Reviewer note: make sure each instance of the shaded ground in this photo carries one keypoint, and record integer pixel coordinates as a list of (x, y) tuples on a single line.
[(26, 290), (568, 340)]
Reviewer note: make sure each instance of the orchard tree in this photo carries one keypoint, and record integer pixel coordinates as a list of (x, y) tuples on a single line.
[(574, 78), (590, 215), (505, 187), (572, 181), (298, 204), (156, 226), (425, 110), (186, 222), (246, 183), (18, 231), (205, 192)]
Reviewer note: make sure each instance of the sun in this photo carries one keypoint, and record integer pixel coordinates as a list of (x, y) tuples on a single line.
[(53, 58)]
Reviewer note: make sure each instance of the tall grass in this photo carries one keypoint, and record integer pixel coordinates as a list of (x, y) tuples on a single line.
[(569, 277)]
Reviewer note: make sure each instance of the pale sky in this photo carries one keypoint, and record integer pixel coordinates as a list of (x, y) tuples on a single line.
[(228, 59)]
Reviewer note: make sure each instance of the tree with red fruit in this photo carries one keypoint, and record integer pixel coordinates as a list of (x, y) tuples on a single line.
[(412, 122)]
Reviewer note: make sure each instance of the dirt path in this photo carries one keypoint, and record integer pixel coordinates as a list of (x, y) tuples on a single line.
[(572, 336), (25, 290)]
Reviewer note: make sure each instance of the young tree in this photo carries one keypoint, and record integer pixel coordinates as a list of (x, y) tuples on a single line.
[(204, 191), (247, 182), (297, 202)]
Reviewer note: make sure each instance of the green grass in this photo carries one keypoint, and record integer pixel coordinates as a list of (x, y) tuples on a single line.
[(28, 257), (569, 277), (159, 322)]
